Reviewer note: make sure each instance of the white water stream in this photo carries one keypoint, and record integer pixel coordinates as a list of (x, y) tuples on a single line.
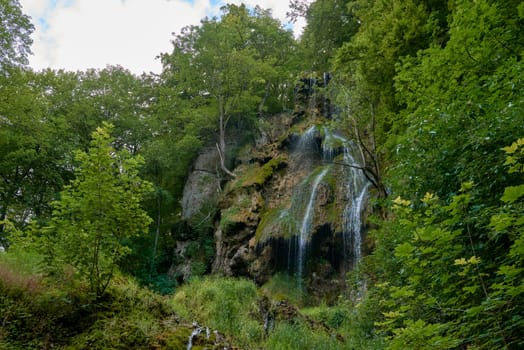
[(305, 227), (338, 150)]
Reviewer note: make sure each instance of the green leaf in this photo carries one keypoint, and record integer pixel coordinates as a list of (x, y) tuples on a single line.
[(501, 222), (404, 250), (513, 193)]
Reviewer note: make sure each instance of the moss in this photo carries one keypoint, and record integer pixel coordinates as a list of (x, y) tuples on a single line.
[(257, 175), (276, 222), (333, 210), (175, 340), (230, 218)]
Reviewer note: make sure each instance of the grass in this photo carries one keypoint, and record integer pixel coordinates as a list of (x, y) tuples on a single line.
[(39, 312), (223, 304), (282, 286)]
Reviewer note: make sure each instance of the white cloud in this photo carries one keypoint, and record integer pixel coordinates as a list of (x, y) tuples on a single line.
[(81, 34)]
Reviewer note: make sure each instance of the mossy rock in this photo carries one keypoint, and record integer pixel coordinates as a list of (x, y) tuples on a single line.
[(179, 339), (175, 340), (242, 211), (256, 175), (276, 222), (231, 218)]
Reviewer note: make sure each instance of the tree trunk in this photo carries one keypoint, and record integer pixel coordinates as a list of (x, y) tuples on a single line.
[(157, 234), (264, 99), (221, 146)]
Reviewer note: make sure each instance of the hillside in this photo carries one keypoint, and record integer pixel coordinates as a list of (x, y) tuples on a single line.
[(359, 187)]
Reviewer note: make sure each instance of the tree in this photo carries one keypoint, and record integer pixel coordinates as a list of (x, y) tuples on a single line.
[(225, 66), (97, 212), (330, 24), (113, 95), (446, 290), (364, 68), (15, 31), (34, 150), (470, 88)]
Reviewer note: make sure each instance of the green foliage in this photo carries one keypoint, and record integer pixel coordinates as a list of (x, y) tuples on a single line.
[(15, 31), (443, 287), (469, 88), (365, 68), (135, 318), (334, 317), (35, 313), (224, 304), (330, 24), (38, 313), (33, 157), (282, 286), (291, 336), (241, 62), (96, 212)]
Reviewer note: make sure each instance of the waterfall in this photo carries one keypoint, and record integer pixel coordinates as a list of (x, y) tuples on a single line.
[(196, 332), (356, 190), (305, 227), (353, 223), (353, 187), (306, 143), (331, 144)]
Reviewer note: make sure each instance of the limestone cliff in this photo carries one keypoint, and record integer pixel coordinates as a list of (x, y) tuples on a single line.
[(289, 207)]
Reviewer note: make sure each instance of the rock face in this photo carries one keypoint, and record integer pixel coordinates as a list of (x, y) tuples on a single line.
[(289, 207), (202, 185)]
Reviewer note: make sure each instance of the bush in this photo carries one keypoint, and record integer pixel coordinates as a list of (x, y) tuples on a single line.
[(333, 317), (35, 314)]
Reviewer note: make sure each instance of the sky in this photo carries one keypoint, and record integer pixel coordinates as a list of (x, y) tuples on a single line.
[(82, 34)]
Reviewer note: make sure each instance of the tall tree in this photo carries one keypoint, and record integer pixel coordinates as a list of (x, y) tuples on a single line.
[(365, 68), (15, 31), (455, 278), (33, 147), (330, 24), (114, 95), (471, 88), (97, 212), (225, 64)]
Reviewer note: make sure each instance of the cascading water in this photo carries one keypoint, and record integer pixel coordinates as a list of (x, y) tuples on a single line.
[(196, 332), (305, 227), (356, 191), (352, 217), (307, 144), (309, 157), (305, 151)]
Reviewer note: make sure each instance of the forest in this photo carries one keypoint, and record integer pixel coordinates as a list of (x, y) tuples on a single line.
[(357, 187)]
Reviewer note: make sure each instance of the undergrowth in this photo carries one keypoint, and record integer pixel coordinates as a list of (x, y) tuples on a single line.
[(42, 312)]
